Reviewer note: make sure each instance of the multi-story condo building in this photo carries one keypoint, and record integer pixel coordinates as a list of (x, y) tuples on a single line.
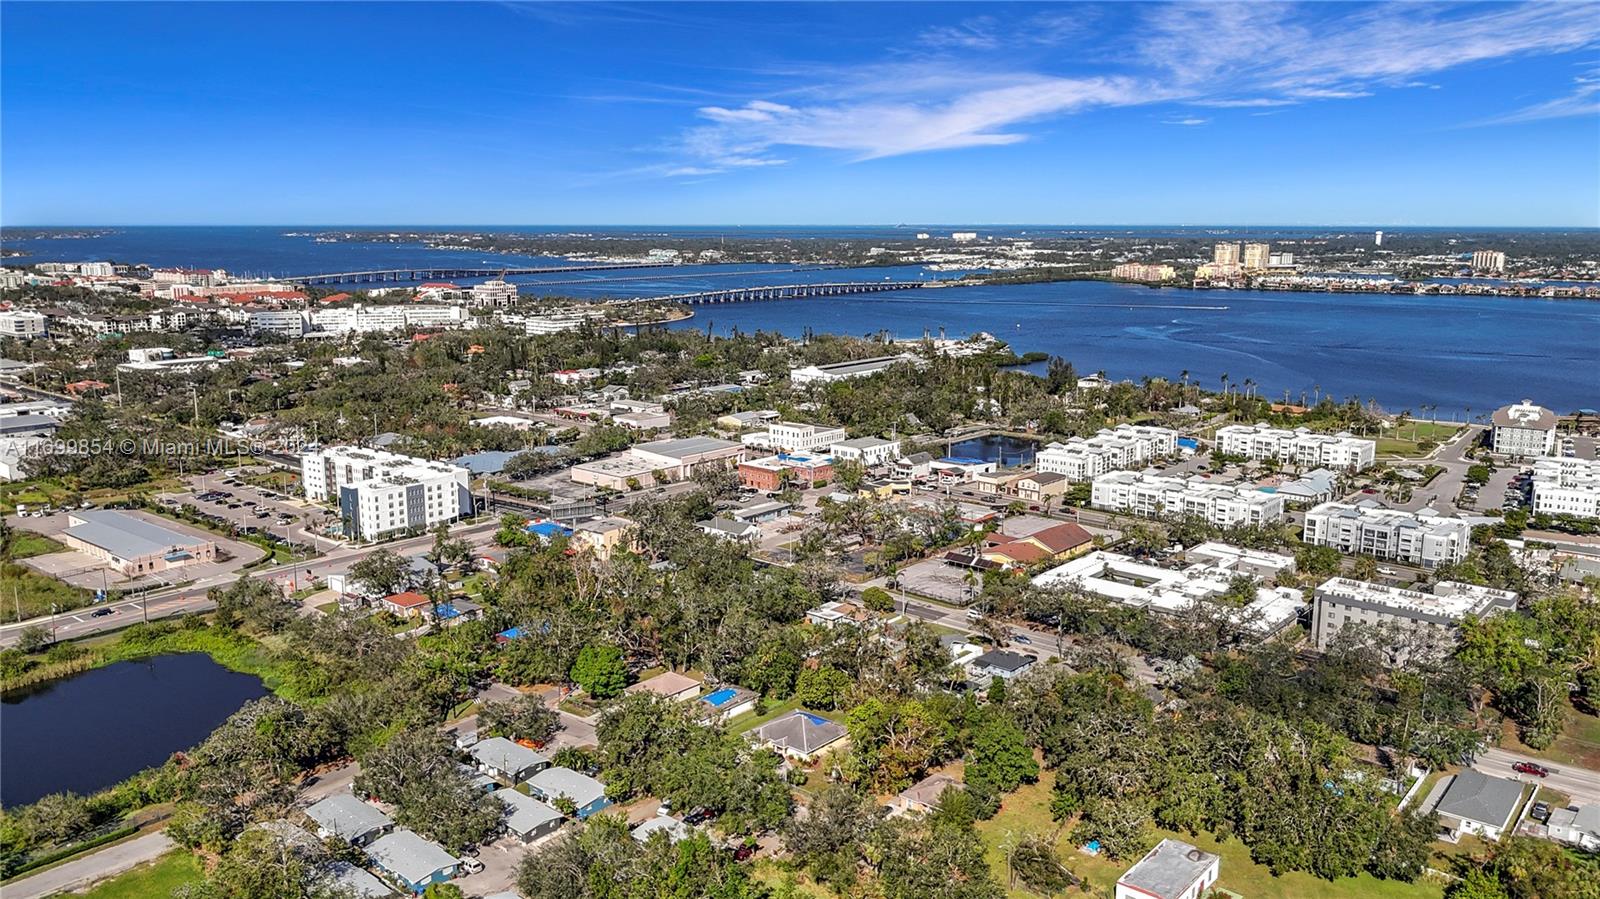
[(869, 451), (1139, 271), (283, 322), (1369, 529), (21, 325), (1256, 256), (363, 319), (1566, 487), (1424, 623), (1299, 447), (1523, 430), (381, 493), (795, 437), (1111, 449), (1226, 254), (1488, 261), (1152, 496)]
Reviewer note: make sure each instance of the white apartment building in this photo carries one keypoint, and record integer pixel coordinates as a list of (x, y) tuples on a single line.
[(1111, 449), (1427, 621), (869, 451), (1153, 496), (557, 322), (1566, 487), (284, 322), (381, 493), (22, 325), (844, 371), (363, 319), (1523, 430), (494, 294), (1368, 529), (1299, 447), (795, 437)]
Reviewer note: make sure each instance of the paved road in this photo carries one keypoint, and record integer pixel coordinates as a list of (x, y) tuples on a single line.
[(192, 598), (1582, 784), (81, 872)]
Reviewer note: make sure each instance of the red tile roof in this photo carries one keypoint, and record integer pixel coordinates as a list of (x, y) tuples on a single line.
[(406, 600)]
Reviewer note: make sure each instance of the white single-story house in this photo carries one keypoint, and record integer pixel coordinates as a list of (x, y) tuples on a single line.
[(1476, 803), (413, 861), (1172, 870)]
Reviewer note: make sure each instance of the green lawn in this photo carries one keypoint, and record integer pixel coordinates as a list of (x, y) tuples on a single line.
[(26, 544), (1579, 743), (33, 593), (1027, 811), (1402, 441), (154, 880), (752, 720)]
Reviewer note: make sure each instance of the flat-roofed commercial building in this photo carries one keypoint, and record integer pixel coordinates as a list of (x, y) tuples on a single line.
[(1567, 487), (869, 451), (132, 545), (1156, 496), (1368, 529), (660, 460), (795, 437), (381, 493), (1111, 449), (1523, 430), (844, 371), (1300, 447), (1172, 870), (1428, 620)]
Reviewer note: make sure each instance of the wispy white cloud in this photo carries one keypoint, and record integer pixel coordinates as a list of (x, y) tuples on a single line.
[(1583, 101), (1211, 55)]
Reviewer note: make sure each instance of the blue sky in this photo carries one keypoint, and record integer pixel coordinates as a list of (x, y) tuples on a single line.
[(1258, 113)]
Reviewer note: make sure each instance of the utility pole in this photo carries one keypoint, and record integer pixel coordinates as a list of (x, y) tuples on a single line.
[(194, 396)]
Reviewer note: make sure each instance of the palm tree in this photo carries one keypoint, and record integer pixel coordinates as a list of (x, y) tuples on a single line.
[(1317, 392)]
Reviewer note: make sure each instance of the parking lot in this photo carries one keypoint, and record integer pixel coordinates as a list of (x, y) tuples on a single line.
[(934, 578), (251, 509)]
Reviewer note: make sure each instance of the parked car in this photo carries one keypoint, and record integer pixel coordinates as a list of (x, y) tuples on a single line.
[(1540, 812), (1537, 770), (101, 613), (471, 865)]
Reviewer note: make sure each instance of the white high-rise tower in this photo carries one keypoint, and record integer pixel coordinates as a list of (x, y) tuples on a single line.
[(1377, 238)]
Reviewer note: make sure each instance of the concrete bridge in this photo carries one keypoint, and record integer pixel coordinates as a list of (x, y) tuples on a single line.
[(784, 292), (403, 275)]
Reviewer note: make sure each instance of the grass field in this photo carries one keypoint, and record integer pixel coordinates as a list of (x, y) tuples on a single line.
[(155, 880), (25, 591), (27, 544), (1403, 441), (1579, 743), (1027, 811)]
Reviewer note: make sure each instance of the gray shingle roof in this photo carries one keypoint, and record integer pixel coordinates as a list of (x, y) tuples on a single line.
[(504, 755), (127, 536), (411, 857), (358, 881), (525, 814), (580, 788), (344, 816), (801, 731), (1475, 796), (1003, 660)]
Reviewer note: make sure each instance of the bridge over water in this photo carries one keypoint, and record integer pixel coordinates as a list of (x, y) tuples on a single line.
[(403, 275), (784, 292)]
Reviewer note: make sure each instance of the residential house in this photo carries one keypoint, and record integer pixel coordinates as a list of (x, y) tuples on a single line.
[(729, 529), (412, 861), (1576, 826), (668, 685), (587, 794), (922, 797), (527, 818), (674, 829), (407, 605), (1478, 804), (726, 703), (801, 736), (1001, 663), (357, 882), (345, 817), (506, 761), (835, 612), (1172, 870), (604, 536)]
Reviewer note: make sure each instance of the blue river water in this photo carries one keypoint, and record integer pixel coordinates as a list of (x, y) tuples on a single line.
[(1465, 355)]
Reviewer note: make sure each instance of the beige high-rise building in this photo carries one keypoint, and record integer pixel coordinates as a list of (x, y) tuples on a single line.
[(1488, 261), (1226, 254), (1256, 256)]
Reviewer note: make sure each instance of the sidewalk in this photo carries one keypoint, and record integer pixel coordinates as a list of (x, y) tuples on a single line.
[(88, 869)]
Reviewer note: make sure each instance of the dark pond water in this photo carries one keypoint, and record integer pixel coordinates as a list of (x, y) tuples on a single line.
[(92, 730), (1007, 451)]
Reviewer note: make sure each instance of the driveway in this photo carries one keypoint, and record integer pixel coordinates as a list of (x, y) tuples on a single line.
[(92, 868)]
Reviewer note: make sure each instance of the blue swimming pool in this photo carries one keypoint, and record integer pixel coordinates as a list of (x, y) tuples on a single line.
[(720, 697)]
